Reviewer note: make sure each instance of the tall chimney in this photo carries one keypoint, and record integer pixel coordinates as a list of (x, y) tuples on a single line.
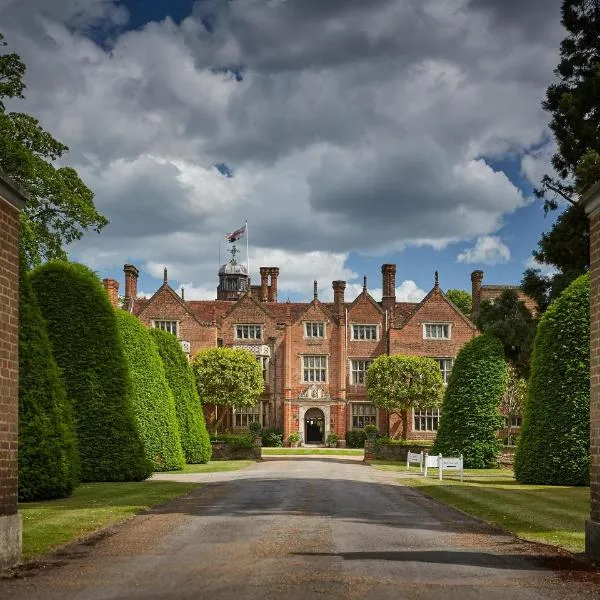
[(274, 273), (338, 297), (112, 290), (264, 284), (476, 279), (131, 277), (388, 277)]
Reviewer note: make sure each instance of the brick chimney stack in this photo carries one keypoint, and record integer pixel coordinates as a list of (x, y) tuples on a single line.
[(476, 279), (131, 278), (388, 281), (338, 297), (272, 290), (112, 290), (264, 284)]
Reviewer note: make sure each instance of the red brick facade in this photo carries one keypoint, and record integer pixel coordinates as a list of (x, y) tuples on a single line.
[(11, 200), (314, 353)]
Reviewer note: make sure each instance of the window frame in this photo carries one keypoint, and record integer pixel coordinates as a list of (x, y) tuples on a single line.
[(445, 372), (248, 326), (175, 321), (304, 369), (247, 415), (437, 324), (353, 337), (369, 418), (352, 371), (307, 324), (429, 413)]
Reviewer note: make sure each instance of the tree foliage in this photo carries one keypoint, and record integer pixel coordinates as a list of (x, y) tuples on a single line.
[(190, 416), (60, 208), (513, 400), (554, 443), (401, 383), (228, 377), (508, 319), (462, 300), (48, 453), (470, 413), (153, 402), (82, 328)]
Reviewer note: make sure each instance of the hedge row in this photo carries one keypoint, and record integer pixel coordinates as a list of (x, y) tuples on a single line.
[(554, 443), (82, 329), (153, 402), (48, 453), (470, 413), (190, 416)]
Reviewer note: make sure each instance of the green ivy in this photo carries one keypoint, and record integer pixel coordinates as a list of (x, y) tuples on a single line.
[(190, 416), (236, 441), (82, 328), (470, 413), (554, 444), (48, 453), (153, 401)]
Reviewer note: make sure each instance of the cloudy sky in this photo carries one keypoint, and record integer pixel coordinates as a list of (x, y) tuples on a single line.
[(348, 133)]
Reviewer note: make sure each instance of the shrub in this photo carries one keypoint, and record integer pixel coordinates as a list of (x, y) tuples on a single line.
[(272, 438), (190, 416), (153, 401), (48, 454), (332, 439), (237, 441), (355, 438), (294, 437), (255, 428), (82, 328), (470, 413), (554, 440)]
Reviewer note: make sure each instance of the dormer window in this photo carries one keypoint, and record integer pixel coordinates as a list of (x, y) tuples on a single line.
[(170, 326), (248, 332), (437, 331), (314, 330)]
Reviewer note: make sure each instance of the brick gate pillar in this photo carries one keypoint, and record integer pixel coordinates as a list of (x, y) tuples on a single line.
[(591, 203), (12, 200)]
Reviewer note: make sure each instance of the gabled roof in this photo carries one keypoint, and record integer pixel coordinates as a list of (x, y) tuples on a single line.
[(247, 296), (365, 294), (317, 304)]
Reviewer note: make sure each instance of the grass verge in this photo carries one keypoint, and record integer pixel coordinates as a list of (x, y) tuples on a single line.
[(214, 467), (50, 524), (549, 514), (317, 451)]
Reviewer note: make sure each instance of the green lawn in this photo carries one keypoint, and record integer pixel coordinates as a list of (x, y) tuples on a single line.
[(49, 524), (317, 451), (550, 514), (215, 466)]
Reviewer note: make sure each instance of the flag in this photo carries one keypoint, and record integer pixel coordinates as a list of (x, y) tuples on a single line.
[(234, 236)]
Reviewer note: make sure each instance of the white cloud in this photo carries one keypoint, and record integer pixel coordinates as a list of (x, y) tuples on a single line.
[(488, 250), (545, 270)]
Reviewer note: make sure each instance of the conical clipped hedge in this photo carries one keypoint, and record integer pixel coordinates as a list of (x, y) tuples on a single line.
[(48, 454), (470, 412), (554, 444), (82, 328), (153, 401), (190, 416)]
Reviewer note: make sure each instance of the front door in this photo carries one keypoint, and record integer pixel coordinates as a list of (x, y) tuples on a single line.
[(314, 426)]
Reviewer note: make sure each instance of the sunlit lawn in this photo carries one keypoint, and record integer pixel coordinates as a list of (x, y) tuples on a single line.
[(215, 466), (550, 514), (49, 524)]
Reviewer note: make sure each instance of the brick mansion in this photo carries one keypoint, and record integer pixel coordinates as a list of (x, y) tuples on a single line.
[(314, 355)]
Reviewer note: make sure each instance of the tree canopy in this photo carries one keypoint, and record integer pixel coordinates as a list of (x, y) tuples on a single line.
[(60, 207), (462, 300), (401, 383), (509, 320), (228, 377)]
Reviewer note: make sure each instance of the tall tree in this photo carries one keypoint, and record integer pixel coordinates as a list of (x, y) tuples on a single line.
[(574, 102), (401, 383), (61, 207), (462, 300)]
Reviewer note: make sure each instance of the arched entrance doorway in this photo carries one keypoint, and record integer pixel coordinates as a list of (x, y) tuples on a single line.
[(314, 426)]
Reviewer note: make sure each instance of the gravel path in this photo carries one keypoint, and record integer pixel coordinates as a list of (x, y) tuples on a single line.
[(303, 528)]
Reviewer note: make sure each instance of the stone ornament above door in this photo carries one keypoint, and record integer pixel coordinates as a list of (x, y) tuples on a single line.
[(314, 392)]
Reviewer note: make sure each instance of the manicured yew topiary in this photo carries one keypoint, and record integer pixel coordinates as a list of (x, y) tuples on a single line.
[(48, 454), (554, 444), (190, 416), (153, 401), (470, 412), (82, 328)]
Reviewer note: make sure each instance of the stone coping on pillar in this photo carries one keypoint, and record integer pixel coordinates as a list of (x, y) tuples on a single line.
[(11, 192), (591, 199)]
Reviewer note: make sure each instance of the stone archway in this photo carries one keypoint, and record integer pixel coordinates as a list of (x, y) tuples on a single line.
[(314, 426)]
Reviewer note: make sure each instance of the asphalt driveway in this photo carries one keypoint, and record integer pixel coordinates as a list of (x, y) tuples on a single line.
[(303, 528)]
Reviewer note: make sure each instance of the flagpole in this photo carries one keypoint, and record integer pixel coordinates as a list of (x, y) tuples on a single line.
[(247, 253)]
